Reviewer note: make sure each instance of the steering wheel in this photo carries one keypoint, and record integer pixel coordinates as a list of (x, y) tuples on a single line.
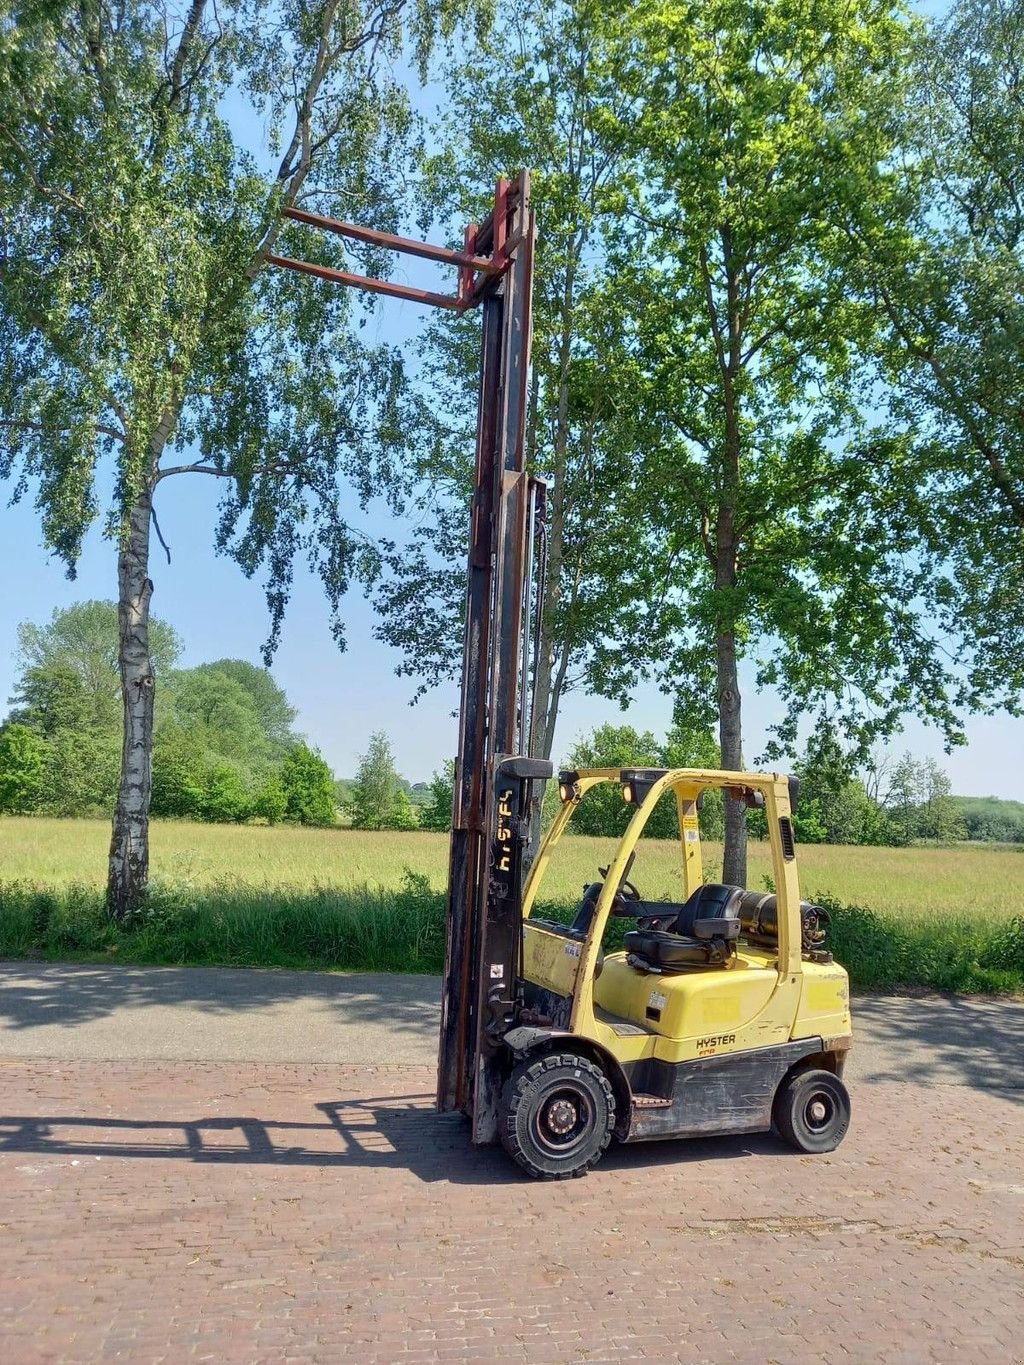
[(626, 892)]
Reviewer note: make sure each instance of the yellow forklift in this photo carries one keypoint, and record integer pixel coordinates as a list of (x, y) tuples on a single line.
[(722, 1012)]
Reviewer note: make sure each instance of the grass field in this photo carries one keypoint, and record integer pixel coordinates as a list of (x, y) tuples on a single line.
[(950, 918), (982, 880)]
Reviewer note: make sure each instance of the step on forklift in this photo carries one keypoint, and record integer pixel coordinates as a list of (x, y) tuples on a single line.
[(721, 1012)]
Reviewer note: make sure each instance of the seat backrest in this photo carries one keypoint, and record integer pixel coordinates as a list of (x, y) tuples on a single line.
[(711, 912)]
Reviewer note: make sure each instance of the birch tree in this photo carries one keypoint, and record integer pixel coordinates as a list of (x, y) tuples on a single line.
[(141, 335)]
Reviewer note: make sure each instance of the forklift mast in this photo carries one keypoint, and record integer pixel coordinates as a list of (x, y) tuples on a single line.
[(496, 786), (491, 799)]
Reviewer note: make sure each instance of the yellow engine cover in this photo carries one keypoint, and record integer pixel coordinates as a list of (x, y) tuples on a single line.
[(709, 1011), (824, 1007)]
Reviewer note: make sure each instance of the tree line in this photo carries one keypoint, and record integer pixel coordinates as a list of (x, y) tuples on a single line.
[(224, 748), (896, 800), (225, 751), (778, 359)]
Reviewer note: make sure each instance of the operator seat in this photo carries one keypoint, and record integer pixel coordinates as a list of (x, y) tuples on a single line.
[(704, 933)]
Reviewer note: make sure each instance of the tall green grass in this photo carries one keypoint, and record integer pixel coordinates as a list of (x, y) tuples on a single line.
[(958, 953), (918, 882), (402, 930), (357, 929)]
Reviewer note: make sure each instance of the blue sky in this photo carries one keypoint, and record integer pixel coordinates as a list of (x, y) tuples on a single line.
[(342, 698)]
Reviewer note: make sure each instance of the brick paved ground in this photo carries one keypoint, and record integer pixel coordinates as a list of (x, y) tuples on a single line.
[(246, 1212)]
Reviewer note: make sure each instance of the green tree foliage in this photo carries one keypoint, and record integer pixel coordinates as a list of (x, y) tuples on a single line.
[(378, 801), (222, 741), (940, 818), (25, 760), (943, 263), (920, 804), (903, 797), (225, 798), (69, 690), (690, 745), (54, 699), (834, 806), (69, 674), (437, 813), (757, 516), (403, 814), (603, 811), (989, 818), (275, 714), (139, 324), (270, 802), (83, 772), (222, 729), (180, 768), (308, 786), (220, 714)]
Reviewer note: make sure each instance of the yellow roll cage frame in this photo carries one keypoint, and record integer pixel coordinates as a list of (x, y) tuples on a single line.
[(687, 784)]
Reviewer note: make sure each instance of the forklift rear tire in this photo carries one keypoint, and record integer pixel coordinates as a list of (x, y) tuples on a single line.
[(812, 1111), (557, 1115)]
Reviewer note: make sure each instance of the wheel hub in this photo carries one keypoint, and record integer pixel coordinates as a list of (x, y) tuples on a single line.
[(819, 1112), (562, 1116)]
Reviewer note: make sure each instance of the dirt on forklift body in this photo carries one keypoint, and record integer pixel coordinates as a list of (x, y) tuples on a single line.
[(721, 1013)]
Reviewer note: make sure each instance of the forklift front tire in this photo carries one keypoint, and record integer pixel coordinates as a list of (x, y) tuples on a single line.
[(557, 1115), (812, 1111)]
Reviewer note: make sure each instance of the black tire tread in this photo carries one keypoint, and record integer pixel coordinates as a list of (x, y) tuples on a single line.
[(516, 1093), (784, 1107)]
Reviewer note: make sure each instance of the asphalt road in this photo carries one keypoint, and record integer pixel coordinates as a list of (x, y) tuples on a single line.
[(117, 1013)]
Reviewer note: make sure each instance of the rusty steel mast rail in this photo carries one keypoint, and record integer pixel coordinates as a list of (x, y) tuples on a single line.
[(484, 926)]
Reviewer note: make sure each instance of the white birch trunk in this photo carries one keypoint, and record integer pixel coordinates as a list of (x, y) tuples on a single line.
[(129, 844)]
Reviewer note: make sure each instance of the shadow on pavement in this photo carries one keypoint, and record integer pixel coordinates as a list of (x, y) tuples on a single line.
[(34, 994), (930, 1040), (400, 1132), (939, 1040)]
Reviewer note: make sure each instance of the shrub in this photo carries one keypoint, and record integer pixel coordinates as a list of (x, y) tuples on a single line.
[(1006, 947), (24, 770), (225, 798), (955, 953), (271, 802), (308, 785), (401, 815), (437, 813)]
